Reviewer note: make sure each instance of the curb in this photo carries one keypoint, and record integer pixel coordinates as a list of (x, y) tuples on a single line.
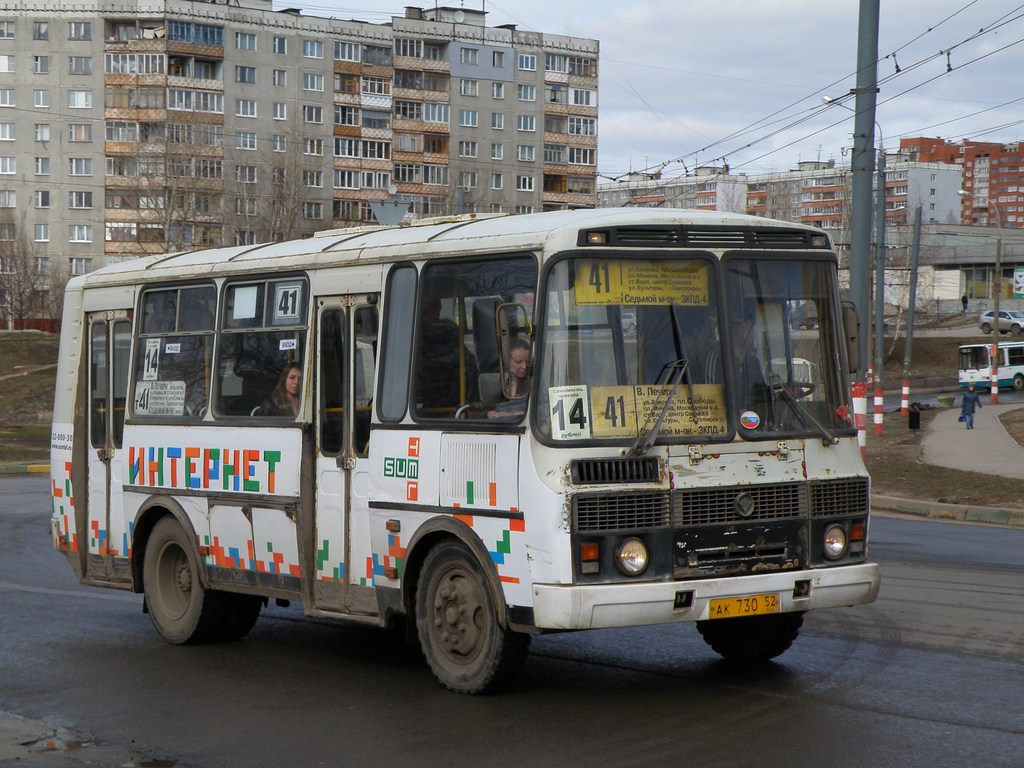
[(937, 510), (25, 469)]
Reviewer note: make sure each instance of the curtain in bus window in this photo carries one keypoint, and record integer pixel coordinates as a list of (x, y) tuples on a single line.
[(366, 329), (174, 352)]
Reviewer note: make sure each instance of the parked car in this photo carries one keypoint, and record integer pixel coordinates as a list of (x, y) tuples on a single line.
[(1010, 321)]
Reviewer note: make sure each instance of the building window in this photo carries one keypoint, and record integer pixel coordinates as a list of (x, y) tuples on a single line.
[(469, 55), (42, 198), (468, 118), (80, 166), (280, 78), (467, 149), (526, 153), (527, 62), (80, 132), (6, 97), (526, 92), (312, 179), (467, 180), (42, 166), (375, 85), (245, 107), (497, 180), (278, 142), (80, 266), (497, 90), (345, 179), (312, 113), (245, 174), (41, 65), (81, 200), (8, 165), (245, 206), (581, 156), (312, 49), (279, 110), (526, 123), (312, 146), (80, 65), (41, 98), (497, 151), (582, 126), (41, 233), (347, 51), (79, 30), (7, 132), (435, 113), (7, 30), (497, 120), (312, 81), (245, 140), (469, 87), (40, 30), (79, 99), (280, 45), (524, 183), (312, 210), (245, 41), (79, 233), (498, 59), (245, 75)]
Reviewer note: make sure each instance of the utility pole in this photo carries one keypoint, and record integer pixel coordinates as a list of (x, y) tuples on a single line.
[(879, 288), (863, 166), (911, 304)]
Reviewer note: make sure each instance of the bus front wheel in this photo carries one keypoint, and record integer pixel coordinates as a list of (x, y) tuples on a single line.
[(752, 638), (465, 646), (181, 609)]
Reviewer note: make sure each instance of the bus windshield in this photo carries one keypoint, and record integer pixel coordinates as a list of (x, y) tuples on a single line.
[(637, 350)]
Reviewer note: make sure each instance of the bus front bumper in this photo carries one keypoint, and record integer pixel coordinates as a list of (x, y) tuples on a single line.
[(631, 604)]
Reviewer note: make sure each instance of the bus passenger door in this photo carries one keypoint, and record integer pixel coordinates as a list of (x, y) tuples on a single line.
[(346, 351), (106, 534)]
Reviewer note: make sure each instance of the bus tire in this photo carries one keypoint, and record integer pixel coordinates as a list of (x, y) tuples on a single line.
[(181, 609), (1018, 382), (462, 640), (752, 638), (240, 615)]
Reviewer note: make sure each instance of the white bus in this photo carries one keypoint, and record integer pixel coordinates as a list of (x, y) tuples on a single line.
[(446, 427), (974, 365)]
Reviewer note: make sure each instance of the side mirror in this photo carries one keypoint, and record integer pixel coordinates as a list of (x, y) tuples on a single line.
[(485, 333), (851, 335)]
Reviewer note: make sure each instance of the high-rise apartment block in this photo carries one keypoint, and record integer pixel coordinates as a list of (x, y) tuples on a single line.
[(134, 127)]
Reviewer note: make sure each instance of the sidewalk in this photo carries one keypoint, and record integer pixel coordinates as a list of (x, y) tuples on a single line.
[(987, 449), (34, 744)]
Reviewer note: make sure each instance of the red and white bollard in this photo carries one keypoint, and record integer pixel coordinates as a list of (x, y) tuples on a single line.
[(860, 413), (878, 408), (905, 399)]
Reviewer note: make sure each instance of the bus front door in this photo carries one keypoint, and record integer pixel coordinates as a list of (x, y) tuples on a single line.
[(346, 350), (106, 533)]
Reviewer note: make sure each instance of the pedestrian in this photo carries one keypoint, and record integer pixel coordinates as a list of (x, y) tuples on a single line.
[(970, 402), (963, 300)]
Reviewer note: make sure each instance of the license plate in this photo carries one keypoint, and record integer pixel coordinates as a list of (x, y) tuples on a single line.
[(748, 605)]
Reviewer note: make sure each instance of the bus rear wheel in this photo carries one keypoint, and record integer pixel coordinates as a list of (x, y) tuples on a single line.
[(753, 638), (181, 609), (465, 645)]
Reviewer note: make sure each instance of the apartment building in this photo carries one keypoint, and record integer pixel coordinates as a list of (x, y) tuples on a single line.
[(132, 127), (992, 177), (814, 193)]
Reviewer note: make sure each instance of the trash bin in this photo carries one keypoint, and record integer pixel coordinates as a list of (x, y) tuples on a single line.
[(914, 419)]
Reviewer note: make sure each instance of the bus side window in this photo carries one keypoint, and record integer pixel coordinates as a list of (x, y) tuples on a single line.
[(332, 381), (365, 329), (398, 322)]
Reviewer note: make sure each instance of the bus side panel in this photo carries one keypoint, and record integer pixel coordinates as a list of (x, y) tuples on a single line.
[(63, 527)]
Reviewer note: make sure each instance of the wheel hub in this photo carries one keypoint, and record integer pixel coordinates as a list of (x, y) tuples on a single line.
[(455, 616)]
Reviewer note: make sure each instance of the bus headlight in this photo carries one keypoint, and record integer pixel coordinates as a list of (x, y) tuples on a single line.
[(631, 556), (833, 544)]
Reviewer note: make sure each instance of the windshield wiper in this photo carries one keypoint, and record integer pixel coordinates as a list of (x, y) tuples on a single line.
[(803, 414), (674, 370)]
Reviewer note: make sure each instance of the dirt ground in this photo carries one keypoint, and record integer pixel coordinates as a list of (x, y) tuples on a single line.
[(27, 383)]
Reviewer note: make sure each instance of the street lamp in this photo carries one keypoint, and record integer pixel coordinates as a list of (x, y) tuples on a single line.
[(997, 287)]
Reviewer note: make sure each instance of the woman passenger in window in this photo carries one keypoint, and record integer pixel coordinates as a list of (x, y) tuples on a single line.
[(517, 384), (284, 400)]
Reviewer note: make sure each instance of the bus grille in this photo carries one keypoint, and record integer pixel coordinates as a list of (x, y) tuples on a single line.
[(717, 506), (840, 497), (628, 470), (621, 512), (692, 507)]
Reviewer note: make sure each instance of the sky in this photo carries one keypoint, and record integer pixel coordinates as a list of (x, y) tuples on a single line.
[(685, 84)]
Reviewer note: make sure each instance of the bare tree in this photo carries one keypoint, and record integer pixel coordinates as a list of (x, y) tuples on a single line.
[(24, 275)]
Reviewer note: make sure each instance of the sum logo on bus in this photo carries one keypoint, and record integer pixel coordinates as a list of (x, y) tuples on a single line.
[(395, 466)]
